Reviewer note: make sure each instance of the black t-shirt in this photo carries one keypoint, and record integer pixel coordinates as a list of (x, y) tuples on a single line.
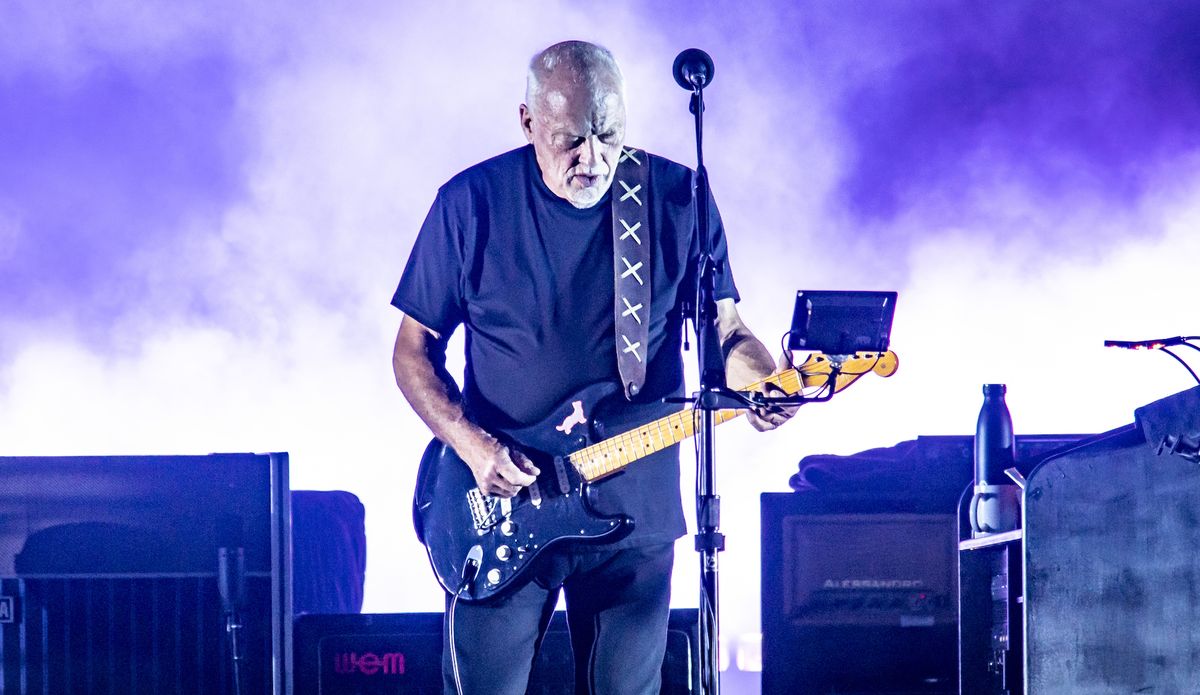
[(530, 276)]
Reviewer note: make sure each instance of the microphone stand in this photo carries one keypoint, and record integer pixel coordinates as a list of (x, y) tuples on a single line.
[(231, 585), (693, 70), (713, 396)]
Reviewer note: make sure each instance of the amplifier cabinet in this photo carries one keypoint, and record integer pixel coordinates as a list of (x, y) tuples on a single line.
[(110, 574), (857, 600), (401, 654)]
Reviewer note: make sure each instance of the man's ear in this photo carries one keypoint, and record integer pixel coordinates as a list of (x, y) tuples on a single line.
[(527, 122)]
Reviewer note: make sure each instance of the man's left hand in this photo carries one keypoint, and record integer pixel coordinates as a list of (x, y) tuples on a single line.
[(772, 416)]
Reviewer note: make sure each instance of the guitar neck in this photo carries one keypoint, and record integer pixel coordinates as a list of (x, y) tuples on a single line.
[(611, 455)]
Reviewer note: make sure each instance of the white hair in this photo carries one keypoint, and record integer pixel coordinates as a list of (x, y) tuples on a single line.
[(587, 63)]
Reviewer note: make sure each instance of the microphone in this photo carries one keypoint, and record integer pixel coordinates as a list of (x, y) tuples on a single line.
[(693, 69), (231, 578), (1146, 344)]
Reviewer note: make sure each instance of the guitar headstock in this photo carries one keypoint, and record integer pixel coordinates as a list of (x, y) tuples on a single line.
[(816, 369), (884, 364)]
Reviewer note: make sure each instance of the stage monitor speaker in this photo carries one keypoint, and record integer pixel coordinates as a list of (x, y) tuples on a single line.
[(110, 580), (401, 654)]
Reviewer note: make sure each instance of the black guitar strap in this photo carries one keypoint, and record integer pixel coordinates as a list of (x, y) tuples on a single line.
[(631, 267)]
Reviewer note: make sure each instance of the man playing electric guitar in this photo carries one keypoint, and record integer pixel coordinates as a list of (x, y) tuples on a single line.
[(569, 287)]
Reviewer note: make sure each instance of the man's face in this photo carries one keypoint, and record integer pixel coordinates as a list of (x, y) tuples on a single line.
[(577, 133)]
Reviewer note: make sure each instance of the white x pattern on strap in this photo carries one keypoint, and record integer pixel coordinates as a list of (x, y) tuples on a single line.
[(632, 270), (631, 231), (629, 219), (630, 192), (632, 347), (631, 310)]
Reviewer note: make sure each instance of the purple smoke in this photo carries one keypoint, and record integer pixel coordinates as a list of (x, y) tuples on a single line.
[(100, 169), (1073, 98), (201, 220)]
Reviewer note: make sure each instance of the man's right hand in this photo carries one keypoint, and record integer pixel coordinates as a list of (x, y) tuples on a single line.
[(500, 470)]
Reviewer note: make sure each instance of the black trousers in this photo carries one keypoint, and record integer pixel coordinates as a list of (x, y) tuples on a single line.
[(618, 606)]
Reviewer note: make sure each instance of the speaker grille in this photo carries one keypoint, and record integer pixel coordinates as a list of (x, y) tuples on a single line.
[(127, 635), (869, 569)]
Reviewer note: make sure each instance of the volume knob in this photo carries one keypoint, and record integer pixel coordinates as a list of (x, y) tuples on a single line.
[(507, 527)]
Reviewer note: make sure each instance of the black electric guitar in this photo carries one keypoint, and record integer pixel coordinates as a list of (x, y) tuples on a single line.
[(502, 537)]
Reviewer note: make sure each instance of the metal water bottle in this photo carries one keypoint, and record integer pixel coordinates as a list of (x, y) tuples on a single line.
[(993, 437), (995, 505)]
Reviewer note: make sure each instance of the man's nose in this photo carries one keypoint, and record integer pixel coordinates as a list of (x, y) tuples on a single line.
[(588, 151)]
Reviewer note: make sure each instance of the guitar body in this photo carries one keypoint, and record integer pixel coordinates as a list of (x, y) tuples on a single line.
[(452, 517)]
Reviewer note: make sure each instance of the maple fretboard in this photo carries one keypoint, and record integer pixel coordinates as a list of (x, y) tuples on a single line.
[(611, 455)]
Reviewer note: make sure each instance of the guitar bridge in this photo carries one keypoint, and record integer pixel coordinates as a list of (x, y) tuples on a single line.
[(483, 509)]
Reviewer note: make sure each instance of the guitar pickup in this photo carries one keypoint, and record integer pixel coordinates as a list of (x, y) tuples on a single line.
[(560, 472)]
